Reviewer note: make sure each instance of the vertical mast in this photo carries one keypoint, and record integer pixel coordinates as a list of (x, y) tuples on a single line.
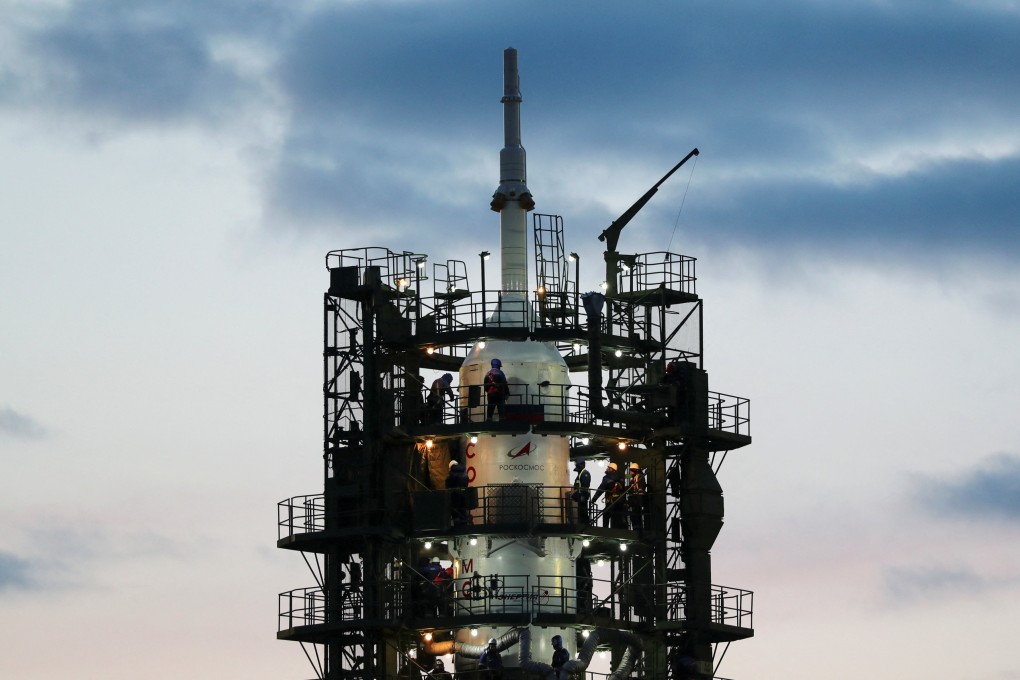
[(512, 199)]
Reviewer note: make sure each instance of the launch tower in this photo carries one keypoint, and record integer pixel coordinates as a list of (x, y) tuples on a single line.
[(407, 570)]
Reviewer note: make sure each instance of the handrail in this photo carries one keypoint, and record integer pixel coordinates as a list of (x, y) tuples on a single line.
[(570, 403), (478, 595), (490, 505)]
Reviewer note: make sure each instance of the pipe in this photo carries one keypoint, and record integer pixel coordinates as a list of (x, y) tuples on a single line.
[(503, 642), (628, 659), (593, 308)]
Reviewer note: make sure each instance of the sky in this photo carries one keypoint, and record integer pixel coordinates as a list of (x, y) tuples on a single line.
[(172, 174)]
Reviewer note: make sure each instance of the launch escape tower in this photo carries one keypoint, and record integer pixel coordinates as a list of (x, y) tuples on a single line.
[(407, 570)]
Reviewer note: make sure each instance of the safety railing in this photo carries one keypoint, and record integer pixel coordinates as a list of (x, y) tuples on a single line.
[(474, 595), (301, 607), (658, 270), (529, 504), (492, 505), (478, 595), (301, 515), (728, 413), (730, 606), (567, 403)]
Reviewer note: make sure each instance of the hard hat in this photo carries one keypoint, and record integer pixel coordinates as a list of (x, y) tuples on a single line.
[(496, 363), (579, 463), (557, 641), (611, 466), (635, 466), (447, 378), (435, 560), (452, 463), (440, 664), (492, 641)]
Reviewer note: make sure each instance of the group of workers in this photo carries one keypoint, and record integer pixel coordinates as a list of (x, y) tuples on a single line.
[(497, 389), (490, 663), (495, 385), (624, 496)]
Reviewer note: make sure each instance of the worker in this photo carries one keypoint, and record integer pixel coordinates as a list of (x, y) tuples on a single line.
[(582, 492), (444, 586), (490, 664), (615, 513), (438, 394), (439, 672), (430, 586), (560, 657), (636, 491), (672, 376), (585, 585), (497, 389), (457, 484)]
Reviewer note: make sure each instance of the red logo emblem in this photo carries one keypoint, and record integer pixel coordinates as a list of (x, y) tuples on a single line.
[(524, 451)]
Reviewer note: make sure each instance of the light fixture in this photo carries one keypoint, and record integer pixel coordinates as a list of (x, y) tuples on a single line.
[(585, 633), (604, 286), (430, 350), (622, 446), (429, 443), (473, 541), (584, 441), (428, 545), (585, 543), (600, 563), (484, 255), (540, 291), (618, 353), (577, 348), (481, 345), (421, 263), (474, 631), (573, 256), (402, 284), (602, 654), (623, 547), (428, 637), (474, 439), (602, 462)]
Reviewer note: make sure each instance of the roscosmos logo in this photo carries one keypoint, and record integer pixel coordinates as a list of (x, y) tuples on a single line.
[(524, 451)]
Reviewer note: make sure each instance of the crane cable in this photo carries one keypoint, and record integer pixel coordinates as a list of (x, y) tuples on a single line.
[(676, 223)]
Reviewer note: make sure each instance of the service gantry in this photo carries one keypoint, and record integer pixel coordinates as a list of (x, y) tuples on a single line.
[(408, 571)]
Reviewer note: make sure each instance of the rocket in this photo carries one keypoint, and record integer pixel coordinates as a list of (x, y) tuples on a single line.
[(520, 573)]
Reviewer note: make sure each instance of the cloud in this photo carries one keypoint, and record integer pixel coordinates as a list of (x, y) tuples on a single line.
[(16, 573), (136, 62), (14, 424), (957, 208), (989, 490), (922, 584), (823, 126), (833, 127)]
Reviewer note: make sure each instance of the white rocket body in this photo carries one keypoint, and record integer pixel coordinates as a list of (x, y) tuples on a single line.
[(522, 473)]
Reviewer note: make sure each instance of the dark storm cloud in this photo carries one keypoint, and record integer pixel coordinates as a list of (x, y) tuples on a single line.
[(15, 424), (989, 490), (775, 96), (136, 61), (788, 103), (960, 207)]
